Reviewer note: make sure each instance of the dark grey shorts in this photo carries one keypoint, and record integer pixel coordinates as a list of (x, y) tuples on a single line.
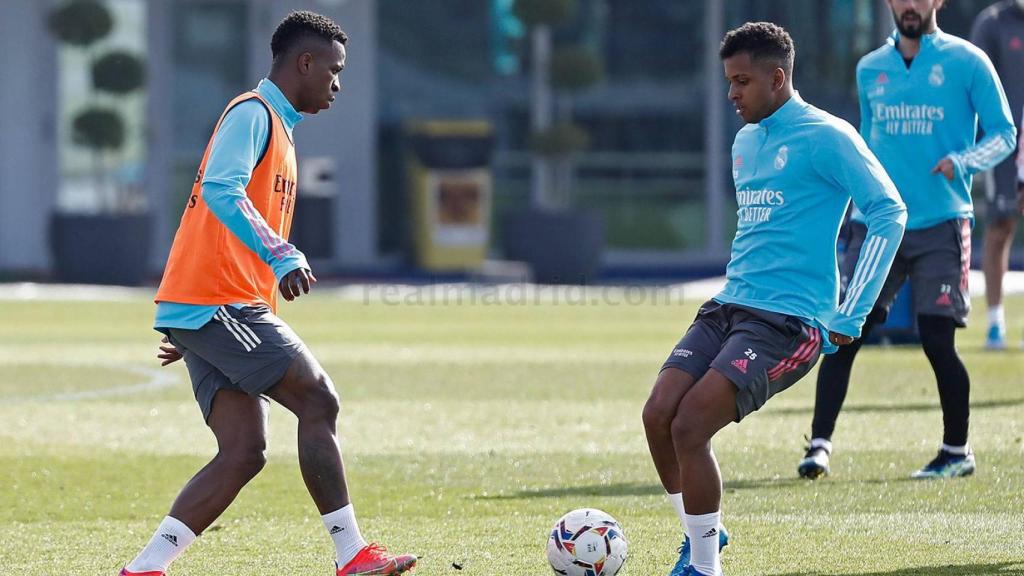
[(247, 350), (937, 261), (761, 352), (1001, 191)]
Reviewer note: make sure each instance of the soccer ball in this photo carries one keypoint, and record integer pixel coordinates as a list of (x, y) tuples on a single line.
[(587, 542)]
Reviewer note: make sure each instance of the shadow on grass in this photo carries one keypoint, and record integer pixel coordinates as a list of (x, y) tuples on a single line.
[(612, 490), (919, 407), (903, 479), (994, 569), (794, 481), (636, 489)]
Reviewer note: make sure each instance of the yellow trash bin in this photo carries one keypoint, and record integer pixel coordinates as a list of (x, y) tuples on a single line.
[(451, 189)]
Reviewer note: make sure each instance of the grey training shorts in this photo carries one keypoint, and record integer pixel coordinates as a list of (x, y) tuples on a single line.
[(936, 260), (247, 350), (1001, 191), (762, 353)]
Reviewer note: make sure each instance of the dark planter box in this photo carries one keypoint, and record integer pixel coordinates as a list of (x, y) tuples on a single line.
[(101, 249), (561, 248)]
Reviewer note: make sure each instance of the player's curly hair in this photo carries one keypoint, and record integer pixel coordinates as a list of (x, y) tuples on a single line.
[(763, 41), (301, 24)]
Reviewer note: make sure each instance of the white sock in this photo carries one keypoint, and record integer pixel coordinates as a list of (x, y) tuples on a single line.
[(958, 450), (822, 443), (677, 502), (168, 542), (341, 525), (704, 542), (996, 316)]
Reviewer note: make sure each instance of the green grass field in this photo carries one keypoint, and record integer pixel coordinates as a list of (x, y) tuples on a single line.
[(469, 429)]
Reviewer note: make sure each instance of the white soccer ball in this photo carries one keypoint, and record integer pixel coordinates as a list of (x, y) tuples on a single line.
[(587, 542)]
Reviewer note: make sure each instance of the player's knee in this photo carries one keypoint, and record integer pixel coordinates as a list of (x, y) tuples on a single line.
[(661, 408), (322, 403), (657, 416), (938, 335), (247, 459), (938, 347), (1000, 230), (687, 433)]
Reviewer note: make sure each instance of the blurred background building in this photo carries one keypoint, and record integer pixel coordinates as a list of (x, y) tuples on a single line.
[(655, 167)]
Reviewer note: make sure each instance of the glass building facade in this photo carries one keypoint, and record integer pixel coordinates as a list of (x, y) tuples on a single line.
[(646, 166), (650, 119)]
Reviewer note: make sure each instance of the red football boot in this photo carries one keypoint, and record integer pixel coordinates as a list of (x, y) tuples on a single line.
[(374, 560)]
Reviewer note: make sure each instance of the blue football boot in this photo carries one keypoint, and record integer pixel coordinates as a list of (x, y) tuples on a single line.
[(947, 465), (996, 337), (684, 553)]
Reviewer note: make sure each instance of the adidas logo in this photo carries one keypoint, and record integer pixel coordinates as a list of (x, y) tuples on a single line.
[(336, 529), (710, 533), (740, 365), (170, 538), (944, 300)]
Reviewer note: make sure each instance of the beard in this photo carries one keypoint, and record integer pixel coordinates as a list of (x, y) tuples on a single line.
[(914, 26)]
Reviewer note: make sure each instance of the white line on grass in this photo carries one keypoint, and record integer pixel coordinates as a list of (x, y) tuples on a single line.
[(155, 380), (72, 292)]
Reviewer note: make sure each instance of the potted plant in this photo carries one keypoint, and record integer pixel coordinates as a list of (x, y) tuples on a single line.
[(562, 244), (106, 240)]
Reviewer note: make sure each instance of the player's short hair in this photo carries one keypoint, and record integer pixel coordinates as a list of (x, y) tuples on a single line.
[(763, 41), (303, 24)]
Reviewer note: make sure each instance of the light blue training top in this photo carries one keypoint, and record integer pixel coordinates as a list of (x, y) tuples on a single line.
[(795, 173), (237, 146), (914, 117)]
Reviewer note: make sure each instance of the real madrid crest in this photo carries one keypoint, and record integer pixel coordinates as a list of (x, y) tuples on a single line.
[(937, 76), (782, 157)]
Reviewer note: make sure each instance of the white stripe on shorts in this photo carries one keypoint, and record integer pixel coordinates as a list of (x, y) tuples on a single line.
[(243, 327), (233, 329)]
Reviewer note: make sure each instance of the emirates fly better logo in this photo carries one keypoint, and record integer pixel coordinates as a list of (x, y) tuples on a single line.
[(757, 205), (904, 119)]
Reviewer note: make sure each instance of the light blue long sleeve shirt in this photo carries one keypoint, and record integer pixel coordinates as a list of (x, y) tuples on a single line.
[(238, 146), (914, 117), (795, 173)]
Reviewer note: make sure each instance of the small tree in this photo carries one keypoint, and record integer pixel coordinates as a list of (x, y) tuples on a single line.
[(97, 126), (81, 22), (557, 75)]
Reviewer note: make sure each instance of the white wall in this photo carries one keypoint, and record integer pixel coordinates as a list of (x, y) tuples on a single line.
[(28, 154)]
